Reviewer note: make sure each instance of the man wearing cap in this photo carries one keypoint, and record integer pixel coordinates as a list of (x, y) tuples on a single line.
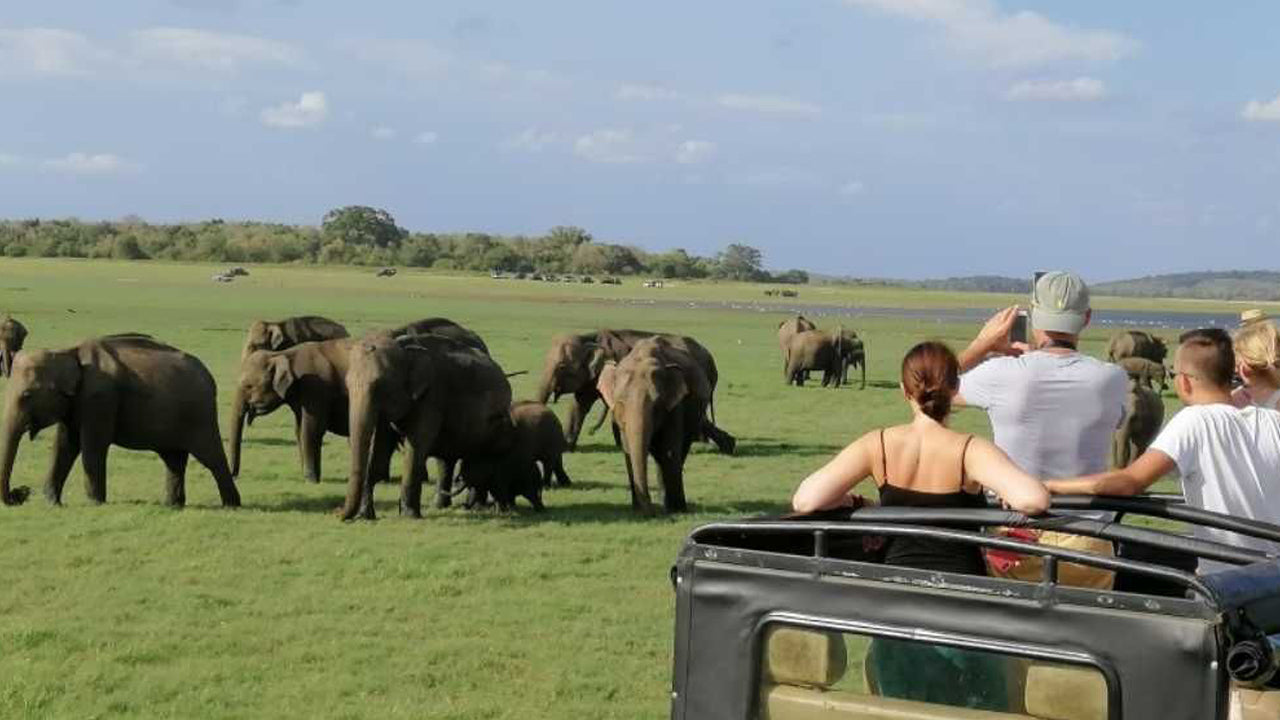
[(1052, 408)]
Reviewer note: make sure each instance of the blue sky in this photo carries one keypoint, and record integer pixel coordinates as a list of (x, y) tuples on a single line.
[(905, 138)]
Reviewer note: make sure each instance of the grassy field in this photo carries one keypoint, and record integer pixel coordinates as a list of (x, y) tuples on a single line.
[(279, 610)]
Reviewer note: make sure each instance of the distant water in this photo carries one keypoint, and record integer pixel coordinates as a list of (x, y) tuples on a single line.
[(1167, 319)]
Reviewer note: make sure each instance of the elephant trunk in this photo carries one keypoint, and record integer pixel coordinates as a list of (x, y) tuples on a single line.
[(6, 359), (12, 437), (636, 443), (362, 419), (863, 366), (547, 385), (238, 413)]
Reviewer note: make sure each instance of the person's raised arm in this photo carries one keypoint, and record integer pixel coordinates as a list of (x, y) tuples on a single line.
[(988, 464), (828, 487), (992, 338), (1141, 473)]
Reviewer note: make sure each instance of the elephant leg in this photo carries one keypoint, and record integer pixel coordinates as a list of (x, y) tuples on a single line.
[(310, 442), (724, 442), (578, 410), (557, 469), (415, 468), (66, 448), (444, 486), (97, 430), (175, 483), (670, 462), (211, 455), (385, 439)]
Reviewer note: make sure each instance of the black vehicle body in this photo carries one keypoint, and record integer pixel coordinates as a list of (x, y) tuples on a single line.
[(1162, 640)]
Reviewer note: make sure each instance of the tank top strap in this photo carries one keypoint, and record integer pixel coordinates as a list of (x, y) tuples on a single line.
[(884, 459), (963, 452)]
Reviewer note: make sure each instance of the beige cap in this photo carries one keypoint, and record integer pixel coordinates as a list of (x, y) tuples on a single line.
[(1060, 303), (1253, 315)]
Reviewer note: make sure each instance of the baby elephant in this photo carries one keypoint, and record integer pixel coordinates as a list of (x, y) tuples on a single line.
[(538, 438), (1146, 372), (1143, 414), (12, 335)]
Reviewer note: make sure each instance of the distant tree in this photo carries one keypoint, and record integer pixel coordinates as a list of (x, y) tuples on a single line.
[(126, 248), (362, 225), (740, 262)]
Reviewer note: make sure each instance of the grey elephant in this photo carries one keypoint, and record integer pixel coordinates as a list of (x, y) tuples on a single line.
[(1143, 414), (443, 327), (574, 362), (12, 335), (310, 378), (657, 396), (814, 350), (126, 390), (852, 353), (1137, 343), (538, 440), (787, 329), (1147, 372), (283, 334), (449, 401)]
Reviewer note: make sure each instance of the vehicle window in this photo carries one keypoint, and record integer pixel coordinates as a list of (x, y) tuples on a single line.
[(811, 674)]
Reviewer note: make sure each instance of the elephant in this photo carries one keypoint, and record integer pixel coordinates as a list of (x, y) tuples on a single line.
[(851, 352), (444, 328), (127, 390), (1144, 412), (1147, 372), (447, 400), (538, 439), (787, 329), (283, 334), (1136, 343), (658, 396), (310, 378), (12, 335), (814, 350), (573, 366)]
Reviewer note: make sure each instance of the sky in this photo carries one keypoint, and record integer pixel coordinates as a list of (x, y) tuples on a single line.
[(875, 138)]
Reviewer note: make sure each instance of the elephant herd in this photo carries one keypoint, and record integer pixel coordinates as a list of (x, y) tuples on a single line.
[(807, 349), (429, 388), (1142, 357)]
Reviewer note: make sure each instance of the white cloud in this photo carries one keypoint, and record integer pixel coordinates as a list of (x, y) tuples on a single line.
[(382, 132), (77, 163), (771, 104), (426, 137), (311, 108), (776, 178), (211, 50), (853, 188), (608, 146), (1261, 111), (531, 140), (645, 93), (980, 29), (412, 58), (1081, 89), (691, 152), (48, 51)]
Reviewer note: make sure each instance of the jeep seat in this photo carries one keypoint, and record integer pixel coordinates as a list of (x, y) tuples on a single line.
[(1063, 692), (1256, 704)]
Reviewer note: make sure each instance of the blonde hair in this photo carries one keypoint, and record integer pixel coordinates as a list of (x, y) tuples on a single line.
[(1257, 344)]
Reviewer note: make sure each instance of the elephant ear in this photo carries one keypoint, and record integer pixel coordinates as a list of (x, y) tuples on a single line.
[(607, 382), (671, 386), (421, 372), (276, 335), (596, 359), (282, 376), (67, 374), (614, 347)]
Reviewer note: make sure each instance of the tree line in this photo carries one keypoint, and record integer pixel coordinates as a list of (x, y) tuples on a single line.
[(360, 235)]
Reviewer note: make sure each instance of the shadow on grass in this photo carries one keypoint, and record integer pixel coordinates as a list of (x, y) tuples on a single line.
[(270, 442), (771, 447), (882, 384)]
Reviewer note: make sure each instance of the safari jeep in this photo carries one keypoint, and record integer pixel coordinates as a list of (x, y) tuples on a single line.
[(776, 620)]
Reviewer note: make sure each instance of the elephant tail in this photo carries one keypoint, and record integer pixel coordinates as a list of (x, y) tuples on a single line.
[(604, 414)]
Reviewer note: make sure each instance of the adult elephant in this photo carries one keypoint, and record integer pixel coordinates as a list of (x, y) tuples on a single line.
[(1143, 414), (1136, 343), (1146, 372), (126, 390), (788, 329), (574, 362), (447, 400), (443, 327), (284, 334), (658, 397), (12, 335), (310, 378), (814, 350)]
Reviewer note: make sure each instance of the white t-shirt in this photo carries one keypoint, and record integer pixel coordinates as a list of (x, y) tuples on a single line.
[(1229, 459), (1052, 413)]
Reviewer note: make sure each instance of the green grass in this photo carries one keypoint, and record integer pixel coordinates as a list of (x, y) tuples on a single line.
[(278, 609)]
